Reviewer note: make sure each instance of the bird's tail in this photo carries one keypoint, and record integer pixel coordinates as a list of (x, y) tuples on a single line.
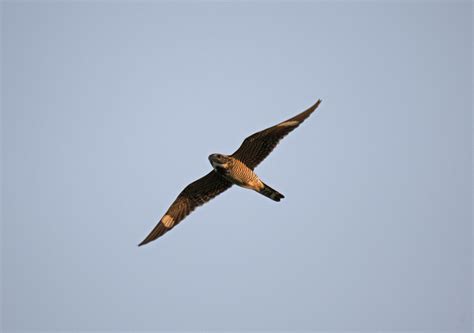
[(271, 193)]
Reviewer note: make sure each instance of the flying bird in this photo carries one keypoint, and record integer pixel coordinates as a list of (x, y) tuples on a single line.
[(229, 170)]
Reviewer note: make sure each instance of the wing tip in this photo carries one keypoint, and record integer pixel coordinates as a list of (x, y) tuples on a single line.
[(315, 105), (306, 113), (159, 230), (143, 242)]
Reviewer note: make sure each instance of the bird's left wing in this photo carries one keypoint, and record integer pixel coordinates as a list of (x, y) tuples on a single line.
[(256, 147), (194, 195)]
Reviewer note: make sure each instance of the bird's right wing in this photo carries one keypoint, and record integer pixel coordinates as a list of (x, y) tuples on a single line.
[(194, 195), (259, 145)]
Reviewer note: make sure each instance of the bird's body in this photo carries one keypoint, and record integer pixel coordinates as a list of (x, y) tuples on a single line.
[(229, 170), (239, 174), (235, 171)]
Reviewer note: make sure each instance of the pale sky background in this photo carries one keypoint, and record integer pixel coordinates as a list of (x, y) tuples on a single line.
[(110, 109)]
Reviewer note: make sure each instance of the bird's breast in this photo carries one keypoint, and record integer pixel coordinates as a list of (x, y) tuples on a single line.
[(241, 175)]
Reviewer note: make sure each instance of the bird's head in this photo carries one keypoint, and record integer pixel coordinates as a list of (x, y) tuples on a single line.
[(219, 161)]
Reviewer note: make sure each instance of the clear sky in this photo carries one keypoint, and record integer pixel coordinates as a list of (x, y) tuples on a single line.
[(110, 109)]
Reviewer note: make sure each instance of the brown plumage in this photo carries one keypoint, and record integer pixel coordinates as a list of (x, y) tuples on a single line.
[(195, 194), (259, 145), (228, 170)]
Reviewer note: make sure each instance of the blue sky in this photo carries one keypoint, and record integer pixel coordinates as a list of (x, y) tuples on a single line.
[(110, 109)]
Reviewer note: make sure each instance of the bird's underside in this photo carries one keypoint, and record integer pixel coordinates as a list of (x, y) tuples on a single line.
[(228, 170)]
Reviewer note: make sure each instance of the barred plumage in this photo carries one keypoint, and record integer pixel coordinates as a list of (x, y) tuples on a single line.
[(242, 175)]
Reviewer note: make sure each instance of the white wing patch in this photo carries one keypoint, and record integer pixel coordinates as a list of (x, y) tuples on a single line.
[(219, 165), (168, 221), (289, 123)]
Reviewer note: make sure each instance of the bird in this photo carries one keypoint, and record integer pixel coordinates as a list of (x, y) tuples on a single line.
[(228, 170)]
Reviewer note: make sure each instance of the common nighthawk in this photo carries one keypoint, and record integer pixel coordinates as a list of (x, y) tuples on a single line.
[(228, 170)]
